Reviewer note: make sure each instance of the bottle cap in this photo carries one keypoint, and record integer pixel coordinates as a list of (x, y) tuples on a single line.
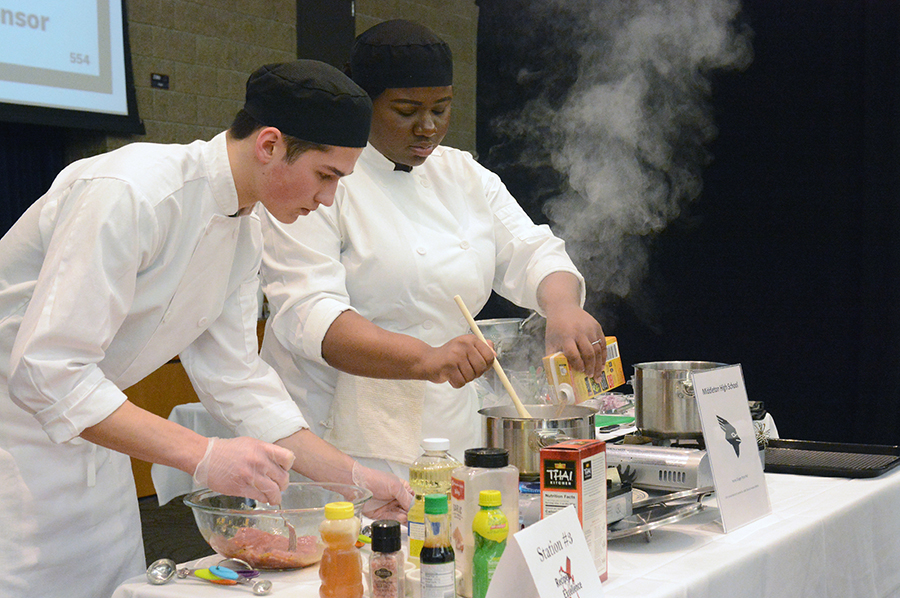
[(385, 536), (339, 510), (435, 504), (436, 444), (491, 458), (489, 498)]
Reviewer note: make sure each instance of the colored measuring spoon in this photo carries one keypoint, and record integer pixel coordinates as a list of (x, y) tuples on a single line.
[(228, 577), (224, 572), (239, 566), (210, 576)]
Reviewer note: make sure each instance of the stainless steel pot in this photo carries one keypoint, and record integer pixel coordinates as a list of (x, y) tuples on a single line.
[(519, 344), (524, 437), (515, 338), (664, 402)]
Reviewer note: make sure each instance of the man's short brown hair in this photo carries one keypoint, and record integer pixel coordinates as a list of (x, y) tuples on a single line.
[(245, 125)]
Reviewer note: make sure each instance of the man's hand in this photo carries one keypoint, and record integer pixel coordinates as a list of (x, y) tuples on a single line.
[(245, 467), (391, 496)]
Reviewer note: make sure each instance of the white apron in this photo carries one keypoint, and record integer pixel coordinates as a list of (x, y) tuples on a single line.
[(125, 285), (84, 527)]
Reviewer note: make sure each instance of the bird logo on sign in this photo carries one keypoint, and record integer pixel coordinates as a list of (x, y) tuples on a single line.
[(731, 435)]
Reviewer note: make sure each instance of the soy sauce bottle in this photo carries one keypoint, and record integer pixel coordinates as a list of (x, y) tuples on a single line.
[(437, 561)]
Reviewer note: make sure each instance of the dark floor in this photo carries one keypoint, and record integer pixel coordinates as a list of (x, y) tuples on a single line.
[(170, 531)]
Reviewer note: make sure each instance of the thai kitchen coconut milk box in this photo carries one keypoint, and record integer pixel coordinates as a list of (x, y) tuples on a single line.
[(574, 473), (566, 382)]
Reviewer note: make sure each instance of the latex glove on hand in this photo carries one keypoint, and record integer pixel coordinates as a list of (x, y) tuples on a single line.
[(245, 467), (391, 496)]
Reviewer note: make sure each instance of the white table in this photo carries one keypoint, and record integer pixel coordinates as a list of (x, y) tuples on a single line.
[(826, 537), (170, 482)]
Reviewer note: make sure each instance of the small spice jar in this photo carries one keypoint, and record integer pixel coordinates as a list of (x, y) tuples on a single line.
[(386, 568)]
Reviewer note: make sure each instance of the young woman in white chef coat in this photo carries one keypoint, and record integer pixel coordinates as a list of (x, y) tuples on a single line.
[(362, 291), (131, 258)]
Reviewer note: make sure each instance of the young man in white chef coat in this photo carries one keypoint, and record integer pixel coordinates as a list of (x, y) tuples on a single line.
[(363, 291), (131, 258)]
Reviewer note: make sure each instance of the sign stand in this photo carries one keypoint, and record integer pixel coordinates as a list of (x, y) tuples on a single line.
[(555, 559), (730, 440)]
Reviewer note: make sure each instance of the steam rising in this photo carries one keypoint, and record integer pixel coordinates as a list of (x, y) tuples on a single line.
[(629, 135)]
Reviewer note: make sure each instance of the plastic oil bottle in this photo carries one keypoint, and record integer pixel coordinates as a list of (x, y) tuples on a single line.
[(437, 561), (490, 529), (429, 474), (341, 567)]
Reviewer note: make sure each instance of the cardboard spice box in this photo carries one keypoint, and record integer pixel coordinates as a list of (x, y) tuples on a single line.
[(574, 473)]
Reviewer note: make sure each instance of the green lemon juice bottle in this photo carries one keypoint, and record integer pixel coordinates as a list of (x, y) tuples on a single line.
[(490, 528)]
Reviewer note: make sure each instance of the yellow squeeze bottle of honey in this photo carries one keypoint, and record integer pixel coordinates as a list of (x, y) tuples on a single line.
[(429, 474), (341, 566)]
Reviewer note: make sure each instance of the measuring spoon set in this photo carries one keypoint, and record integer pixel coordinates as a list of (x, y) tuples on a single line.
[(228, 572)]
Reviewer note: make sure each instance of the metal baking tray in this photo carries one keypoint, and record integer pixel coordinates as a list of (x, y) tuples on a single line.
[(830, 459)]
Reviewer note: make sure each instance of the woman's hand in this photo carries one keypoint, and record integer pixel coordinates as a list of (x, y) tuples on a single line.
[(574, 331), (458, 361), (570, 329)]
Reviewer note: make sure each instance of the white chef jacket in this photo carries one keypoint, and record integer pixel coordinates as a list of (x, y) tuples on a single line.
[(397, 247), (129, 259)]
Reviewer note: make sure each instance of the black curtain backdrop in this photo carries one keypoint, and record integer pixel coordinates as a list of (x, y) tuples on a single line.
[(788, 262), (30, 158)]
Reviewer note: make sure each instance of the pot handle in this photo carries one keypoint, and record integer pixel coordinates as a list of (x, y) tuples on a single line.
[(545, 437), (687, 387)]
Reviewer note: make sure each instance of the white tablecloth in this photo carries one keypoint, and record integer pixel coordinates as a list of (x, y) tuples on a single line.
[(170, 482), (825, 538)]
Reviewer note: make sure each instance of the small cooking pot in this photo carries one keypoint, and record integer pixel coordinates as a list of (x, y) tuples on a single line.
[(524, 437), (664, 402)]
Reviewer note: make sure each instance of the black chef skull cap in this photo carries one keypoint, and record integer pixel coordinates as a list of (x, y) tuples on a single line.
[(400, 54), (310, 100)]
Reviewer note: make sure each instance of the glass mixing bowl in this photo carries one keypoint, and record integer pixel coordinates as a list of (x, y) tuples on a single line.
[(257, 532)]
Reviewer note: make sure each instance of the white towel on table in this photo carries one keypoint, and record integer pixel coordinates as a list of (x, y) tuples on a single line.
[(379, 419)]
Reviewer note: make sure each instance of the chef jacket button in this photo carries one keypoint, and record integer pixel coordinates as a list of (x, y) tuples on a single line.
[(427, 324), (464, 244), (420, 250), (425, 182), (202, 322)]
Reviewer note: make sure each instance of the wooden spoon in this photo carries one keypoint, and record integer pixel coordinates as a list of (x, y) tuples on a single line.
[(497, 369)]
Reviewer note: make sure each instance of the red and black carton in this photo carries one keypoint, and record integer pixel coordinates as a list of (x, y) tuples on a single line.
[(574, 473)]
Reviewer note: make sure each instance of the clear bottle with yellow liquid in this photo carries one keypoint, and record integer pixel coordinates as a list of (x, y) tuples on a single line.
[(429, 474)]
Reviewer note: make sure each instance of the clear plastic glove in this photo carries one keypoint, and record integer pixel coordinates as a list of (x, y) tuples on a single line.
[(391, 496), (245, 467)]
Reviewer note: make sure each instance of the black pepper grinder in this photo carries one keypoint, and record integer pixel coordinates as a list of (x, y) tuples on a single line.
[(386, 564)]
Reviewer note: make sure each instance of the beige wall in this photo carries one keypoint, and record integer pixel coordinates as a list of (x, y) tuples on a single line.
[(208, 48), (456, 22)]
